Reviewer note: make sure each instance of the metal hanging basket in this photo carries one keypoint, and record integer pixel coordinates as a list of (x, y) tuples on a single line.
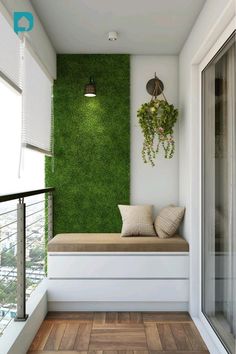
[(155, 87)]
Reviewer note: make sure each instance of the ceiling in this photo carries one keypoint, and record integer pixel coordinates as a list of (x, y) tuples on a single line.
[(144, 26)]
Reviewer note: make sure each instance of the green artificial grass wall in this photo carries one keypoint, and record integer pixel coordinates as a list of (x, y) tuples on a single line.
[(91, 172)]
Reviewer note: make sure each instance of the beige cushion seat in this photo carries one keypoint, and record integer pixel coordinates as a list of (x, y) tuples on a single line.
[(113, 242)]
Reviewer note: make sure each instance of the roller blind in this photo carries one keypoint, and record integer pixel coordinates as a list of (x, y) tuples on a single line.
[(37, 105), (10, 49)]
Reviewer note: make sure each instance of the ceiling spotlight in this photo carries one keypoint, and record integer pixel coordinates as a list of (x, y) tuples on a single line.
[(112, 36)]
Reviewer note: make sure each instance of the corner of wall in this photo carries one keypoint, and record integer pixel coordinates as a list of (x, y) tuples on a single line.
[(213, 19)]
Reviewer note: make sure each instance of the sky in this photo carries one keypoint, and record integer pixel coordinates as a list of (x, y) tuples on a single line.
[(21, 169)]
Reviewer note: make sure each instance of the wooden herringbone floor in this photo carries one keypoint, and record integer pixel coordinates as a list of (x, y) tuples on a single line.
[(118, 333)]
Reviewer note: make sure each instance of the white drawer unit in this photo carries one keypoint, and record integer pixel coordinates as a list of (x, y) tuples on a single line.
[(121, 290), (71, 265), (118, 280)]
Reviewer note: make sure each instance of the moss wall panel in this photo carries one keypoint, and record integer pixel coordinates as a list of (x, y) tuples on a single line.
[(91, 143)]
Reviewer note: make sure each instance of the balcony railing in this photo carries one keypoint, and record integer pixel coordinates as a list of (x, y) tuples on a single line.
[(26, 225)]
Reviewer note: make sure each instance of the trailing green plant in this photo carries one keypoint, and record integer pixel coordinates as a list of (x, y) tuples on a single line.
[(157, 119)]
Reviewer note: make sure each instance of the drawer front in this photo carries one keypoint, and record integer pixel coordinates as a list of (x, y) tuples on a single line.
[(66, 266), (118, 290)]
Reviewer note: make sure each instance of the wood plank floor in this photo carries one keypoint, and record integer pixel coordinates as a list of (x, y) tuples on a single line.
[(118, 333)]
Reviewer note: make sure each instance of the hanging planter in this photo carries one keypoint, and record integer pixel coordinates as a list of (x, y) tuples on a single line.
[(157, 119)]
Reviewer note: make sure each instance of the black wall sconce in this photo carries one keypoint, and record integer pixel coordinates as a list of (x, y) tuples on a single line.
[(90, 89)]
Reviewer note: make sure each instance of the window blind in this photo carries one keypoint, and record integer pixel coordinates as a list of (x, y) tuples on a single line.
[(37, 105), (10, 53)]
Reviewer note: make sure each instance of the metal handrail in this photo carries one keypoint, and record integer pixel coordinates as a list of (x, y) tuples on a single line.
[(23, 241), (7, 197), (8, 212), (32, 204), (35, 212)]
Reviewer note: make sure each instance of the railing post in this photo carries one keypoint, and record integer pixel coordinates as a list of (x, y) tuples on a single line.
[(50, 216), (21, 273)]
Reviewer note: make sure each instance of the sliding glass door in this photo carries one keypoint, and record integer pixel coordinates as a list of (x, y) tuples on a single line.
[(219, 194)]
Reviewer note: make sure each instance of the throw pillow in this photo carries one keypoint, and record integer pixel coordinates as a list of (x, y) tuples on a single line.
[(137, 220), (168, 221)]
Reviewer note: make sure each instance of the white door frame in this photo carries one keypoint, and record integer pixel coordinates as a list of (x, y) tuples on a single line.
[(203, 57)]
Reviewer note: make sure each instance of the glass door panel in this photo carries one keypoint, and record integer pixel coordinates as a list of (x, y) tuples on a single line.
[(219, 194)]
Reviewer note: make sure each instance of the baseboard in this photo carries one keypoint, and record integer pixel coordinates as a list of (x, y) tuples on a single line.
[(210, 338), (18, 336), (116, 306)]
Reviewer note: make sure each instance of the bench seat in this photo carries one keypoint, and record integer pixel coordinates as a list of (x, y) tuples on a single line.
[(113, 242), (107, 272)]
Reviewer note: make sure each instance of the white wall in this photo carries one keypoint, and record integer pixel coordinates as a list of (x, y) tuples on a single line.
[(157, 185), (37, 37), (212, 21)]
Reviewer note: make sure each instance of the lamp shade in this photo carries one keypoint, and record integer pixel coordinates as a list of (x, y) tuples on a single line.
[(90, 89)]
